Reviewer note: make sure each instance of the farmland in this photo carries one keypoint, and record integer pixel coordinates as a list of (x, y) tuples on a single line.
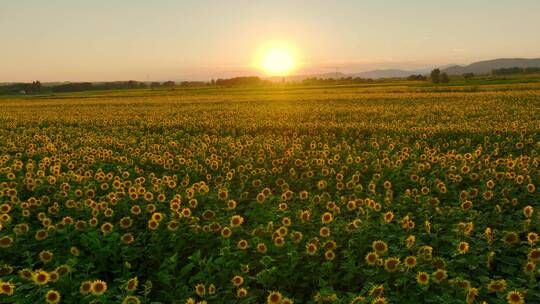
[(381, 193)]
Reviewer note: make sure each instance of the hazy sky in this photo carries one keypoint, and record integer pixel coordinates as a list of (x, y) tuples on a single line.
[(92, 40)]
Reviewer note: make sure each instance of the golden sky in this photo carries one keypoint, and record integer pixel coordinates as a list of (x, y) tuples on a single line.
[(61, 40)]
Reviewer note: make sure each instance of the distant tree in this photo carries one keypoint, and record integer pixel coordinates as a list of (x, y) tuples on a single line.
[(444, 78), (436, 76), (468, 76), (192, 83), (417, 77), (514, 70), (34, 87), (506, 71), (532, 70), (169, 83), (155, 84), (244, 80)]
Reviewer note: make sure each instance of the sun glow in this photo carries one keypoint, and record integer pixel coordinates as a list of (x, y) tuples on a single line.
[(277, 60)]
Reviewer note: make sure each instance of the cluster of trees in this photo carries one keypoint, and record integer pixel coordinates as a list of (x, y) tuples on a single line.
[(36, 87), (515, 70), (438, 77), (247, 80), (417, 77), (25, 88), (89, 86), (193, 83), (166, 84), (468, 76), (342, 80)]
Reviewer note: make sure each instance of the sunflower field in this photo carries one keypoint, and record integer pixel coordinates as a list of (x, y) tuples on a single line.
[(298, 195)]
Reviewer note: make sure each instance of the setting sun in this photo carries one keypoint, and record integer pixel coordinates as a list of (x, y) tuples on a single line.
[(277, 61)]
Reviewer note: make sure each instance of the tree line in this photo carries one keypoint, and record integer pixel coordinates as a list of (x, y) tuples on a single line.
[(37, 88), (342, 80), (515, 70)]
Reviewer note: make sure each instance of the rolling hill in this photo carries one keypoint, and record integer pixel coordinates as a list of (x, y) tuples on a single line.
[(484, 67)]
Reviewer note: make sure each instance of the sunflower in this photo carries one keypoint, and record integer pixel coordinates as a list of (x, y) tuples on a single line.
[(409, 242), (135, 210), (98, 287), (287, 301), (311, 248), (236, 220), (6, 241), (471, 295), (126, 222), (532, 238), (226, 232), (515, 297), (330, 245), (439, 275), (529, 267), (324, 232), (463, 247), (274, 297), (327, 218), (279, 241), (241, 292), (53, 276), (86, 287), (261, 247), (40, 277), (497, 286), (106, 228), (410, 262), (371, 258), (200, 290), (131, 300), (391, 264), (528, 211), (388, 217), (237, 280), (511, 238), (7, 288), (260, 198), (242, 244), (466, 205), (41, 235), (172, 225), (305, 215), (283, 231), (286, 221), (52, 297), (376, 291), (379, 246), (329, 255), (25, 274), (127, 238), (379, 300), (534, 255), (45, 256), (422, 278), (132, 284)]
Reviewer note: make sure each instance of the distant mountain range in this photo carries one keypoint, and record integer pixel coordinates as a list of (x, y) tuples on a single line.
[(480, 67), (484, 67), (390, 73)]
